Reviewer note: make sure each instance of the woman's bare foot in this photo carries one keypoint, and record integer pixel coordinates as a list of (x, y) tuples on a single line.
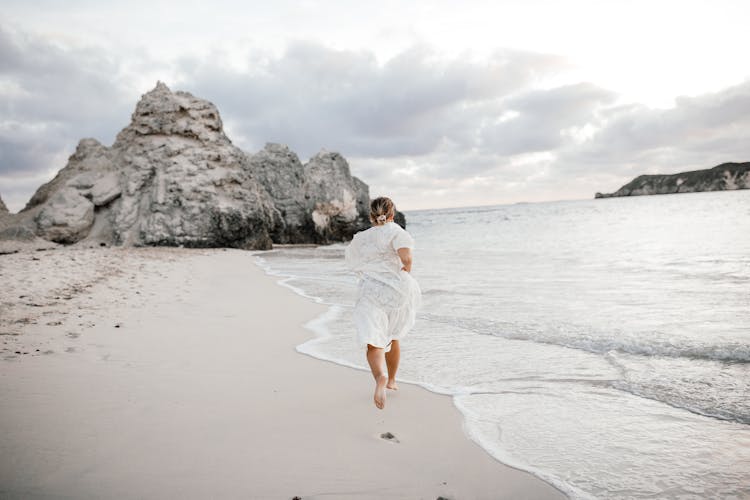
[(380, 384), (392, 385)]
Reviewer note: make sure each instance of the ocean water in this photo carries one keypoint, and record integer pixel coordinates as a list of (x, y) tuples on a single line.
[(601, 345)]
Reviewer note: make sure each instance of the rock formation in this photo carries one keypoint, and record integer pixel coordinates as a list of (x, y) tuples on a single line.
[(173, 177), (338, 198), (3, 208), (318, 202), (727, 176), (282, 175)]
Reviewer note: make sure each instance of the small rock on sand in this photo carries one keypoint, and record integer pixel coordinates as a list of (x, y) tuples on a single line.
[(389, 437)]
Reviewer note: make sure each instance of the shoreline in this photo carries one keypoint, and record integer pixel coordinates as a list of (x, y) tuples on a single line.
[(174, 372), (318, 326)]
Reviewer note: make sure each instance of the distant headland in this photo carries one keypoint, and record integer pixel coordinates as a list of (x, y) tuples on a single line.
[(724, 177)]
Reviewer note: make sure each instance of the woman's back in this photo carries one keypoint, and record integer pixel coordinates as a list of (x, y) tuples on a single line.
[(374, 252)]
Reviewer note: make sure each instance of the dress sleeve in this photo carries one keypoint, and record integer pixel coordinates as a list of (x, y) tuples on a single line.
[(402, 240), (351, 254)]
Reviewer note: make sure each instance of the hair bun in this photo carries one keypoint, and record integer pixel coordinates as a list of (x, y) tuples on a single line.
[(381, 209)]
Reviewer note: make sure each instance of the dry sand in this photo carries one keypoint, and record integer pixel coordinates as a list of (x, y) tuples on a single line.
[(171, 373)]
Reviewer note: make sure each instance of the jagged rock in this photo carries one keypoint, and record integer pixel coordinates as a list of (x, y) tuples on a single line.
[(280, 172), (173, 177), (162, 112), (727, 176), (3, 208), (319, 202), (184, 183), (340, 204)]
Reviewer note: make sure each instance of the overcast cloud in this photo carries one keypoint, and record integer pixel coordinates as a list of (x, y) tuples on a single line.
[(428, 127)]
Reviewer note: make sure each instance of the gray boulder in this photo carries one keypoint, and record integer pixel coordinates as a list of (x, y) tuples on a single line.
[(90, 160), (61, 210), (105, 189), (66, 217), (3, 209)]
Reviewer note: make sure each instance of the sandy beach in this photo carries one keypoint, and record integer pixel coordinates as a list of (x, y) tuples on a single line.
[(172, 373)]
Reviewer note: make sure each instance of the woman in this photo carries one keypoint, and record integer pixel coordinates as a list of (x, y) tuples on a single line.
[(388, 296)]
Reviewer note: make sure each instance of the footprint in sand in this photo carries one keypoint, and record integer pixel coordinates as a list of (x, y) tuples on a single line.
[(389, 437)]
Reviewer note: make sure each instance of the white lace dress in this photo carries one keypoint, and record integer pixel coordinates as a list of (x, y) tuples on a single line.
[(387, 297)]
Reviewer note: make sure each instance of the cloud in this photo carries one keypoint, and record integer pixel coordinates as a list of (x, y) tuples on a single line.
[(535, 121), (46, 82), (430, 129), (313, 96), (22, 145), (697, 132), (570, 142), (50, 97)]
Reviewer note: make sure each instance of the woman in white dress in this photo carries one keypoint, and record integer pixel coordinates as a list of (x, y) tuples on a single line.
[(388, 295)]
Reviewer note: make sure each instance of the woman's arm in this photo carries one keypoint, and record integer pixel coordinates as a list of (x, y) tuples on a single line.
[(405, 255)]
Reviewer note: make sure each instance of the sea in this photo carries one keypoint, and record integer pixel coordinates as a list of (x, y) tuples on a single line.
[(601, 345)]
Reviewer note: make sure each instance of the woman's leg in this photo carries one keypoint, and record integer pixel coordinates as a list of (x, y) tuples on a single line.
[(376, 359), (392, 358)]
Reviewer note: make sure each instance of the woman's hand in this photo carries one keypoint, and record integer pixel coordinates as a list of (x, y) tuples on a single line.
[(405, 255)]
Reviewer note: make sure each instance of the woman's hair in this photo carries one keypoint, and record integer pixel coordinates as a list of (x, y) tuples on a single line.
[(381, 209)]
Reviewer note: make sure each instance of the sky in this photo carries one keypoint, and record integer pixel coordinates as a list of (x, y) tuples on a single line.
[(433, 103)]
